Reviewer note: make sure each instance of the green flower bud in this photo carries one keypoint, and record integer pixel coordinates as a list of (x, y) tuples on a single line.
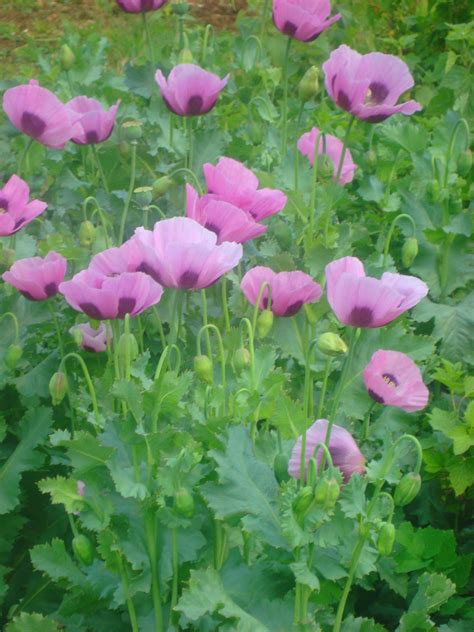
[(77, 335), (67, 57), (280, 468), (124, 148), (309, 84), (13, 356), (83, 549), (407, 489), (184, 503), (161, 186), (331, 344), (409, 251), (264, 323), (203, 368), (122, 347), (58, 387), (302, 502), (321, 492), (433, 192), (312, 472), (371, 157), (132, 130), (386, 538), (332, 493), (7, 258), (180, 8), (86, 233), (255, 133), (241, 358), (143, 196), (185, 56), (465, 162)]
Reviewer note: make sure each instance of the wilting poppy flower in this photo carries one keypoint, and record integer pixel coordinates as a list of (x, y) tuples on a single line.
[(289, 290), (392, 378), (36, 278), (94, 340), (330, 146), (232, 182), (363, 301), (303, 20), (38, 113), (95, 124), (180, 253), (190, 90), (140, 6), (368, 86), (344, 451), (15, 209), (104, 298), (228, 222)]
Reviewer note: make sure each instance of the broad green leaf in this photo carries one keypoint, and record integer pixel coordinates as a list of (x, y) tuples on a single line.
[(304, 576), (415, 622), (62, 490), (461, 474), (352, 499), (361, 625), (85, 451), (434, 589), (32, 622), (55, 561)]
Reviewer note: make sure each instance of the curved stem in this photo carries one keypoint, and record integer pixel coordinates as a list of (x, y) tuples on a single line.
[(388, 239), (284, 139), (58, 329), (461, 123), (418, 448), (100, 169), (130, 191), (207, 31), (264, 16), (190, 173), (322, 396), (89, 383), (250, 334), (365, 427), (256, 309), (344, 147), (205, 327), (15, 324), (220, 344)]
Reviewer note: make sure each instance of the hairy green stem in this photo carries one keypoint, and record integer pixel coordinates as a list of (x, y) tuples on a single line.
[(284, 139), (130, 191)]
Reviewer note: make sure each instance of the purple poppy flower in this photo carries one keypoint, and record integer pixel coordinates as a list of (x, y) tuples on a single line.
[(190, 90), (38, 113), (232, 182), (104, 298), (363, 301), (393, 379), (344, 450), (94, 340), (37, 278), (95, 124), (229, 222), (303, 20), (332, 147), (15, 209), (289, 290), (180, 253), (368, 86), (126, 258), (140, 6)]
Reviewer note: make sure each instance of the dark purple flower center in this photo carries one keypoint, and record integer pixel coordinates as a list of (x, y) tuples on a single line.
[(210, 226), (146, 5), (361, 317), (195, 104), (375, 396), (377, 93), (390, 379), (376, 118), (27, 295), (289, 29), (50, 289), (91, 310), (343, 100), (19, 223), (188, 279), (126, 305), (87, 348), (3, 205), (92, 137), (293, 309), (32, 124), (148, 269)]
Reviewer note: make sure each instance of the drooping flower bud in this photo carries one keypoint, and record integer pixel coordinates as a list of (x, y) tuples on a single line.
[(83, 549), (371, 157), (86, 233), (132, 344), (161, 186), (184, 503), (386, 538), (465, 162), (409, 251), (241, 358), (309, 84), (264, 323), (280, 468), (58, 387), (67, 57), (203, 368), (302, 502), (331, 344), (407, 489), (185, 56), (13, 356)]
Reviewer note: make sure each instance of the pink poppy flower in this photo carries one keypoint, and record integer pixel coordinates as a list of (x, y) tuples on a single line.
[(344, 450), (303, 20), (38, 113), (289, 290), (126, 258), (228, 222), (104, 298), (37, 278), (95, 124), (232, 182), (15, 209), (140, 6), (190, 90), (332, 147), (363, 301), (94, 340), (393, 379), (180, 253), (368, 86)]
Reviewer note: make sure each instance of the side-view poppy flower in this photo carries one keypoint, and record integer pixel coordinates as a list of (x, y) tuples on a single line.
[(15, 208), (289, 291), (140, 6), (368, 86), (344, 450), (190, 90), (393, 379), (37, 112), (330, 146), (362, 301), (93, 340), (303, 20), (37, 278), (95, 124)]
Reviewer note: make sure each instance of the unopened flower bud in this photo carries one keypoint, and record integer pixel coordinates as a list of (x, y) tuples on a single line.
[(407, 489), (86, 233), (143, 196), (132, 345), (371, 158), (83, 549), (58, 387), (433, 191), (280, 468), (184, 503), (7, 258), (161, 186), (132, 130), (331, 344), (302, 502), (465, 162), (67, 57), (203, 368), (333, 492), (309, 84), (409, 251), (386, 538), (241, 358), (124, 148), (264, 323), (185, 56), (13, 356)]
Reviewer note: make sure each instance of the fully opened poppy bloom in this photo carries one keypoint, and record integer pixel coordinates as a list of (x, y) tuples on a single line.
[(104, 298), (126, 258), (93, 340), (392, 378), (36, 278), (38, 113), (140, 6), (330, 146), (95, 124), (368, 86), (303, 20), (363, 301), (344, 451), (289, 291), (232, 182), (180, 253), (15, 209), (190, 90), (228, 222)]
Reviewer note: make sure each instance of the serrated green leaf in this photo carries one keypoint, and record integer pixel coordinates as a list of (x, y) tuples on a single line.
[(352, 500), (85, 451), (434, 589), (62, 491), (415, 622), (55, 561), (361, 625), (32, 622), (304, 576), (461, 474)]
